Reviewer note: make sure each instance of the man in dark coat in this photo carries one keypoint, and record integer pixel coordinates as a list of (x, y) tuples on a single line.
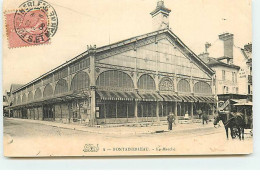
[(170, 120), (204, 118)]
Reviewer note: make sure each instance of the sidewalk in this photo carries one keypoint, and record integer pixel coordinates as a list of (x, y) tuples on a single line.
[(124, 130)]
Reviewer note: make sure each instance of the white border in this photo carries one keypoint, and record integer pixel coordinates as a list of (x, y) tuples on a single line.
[(185, 163)]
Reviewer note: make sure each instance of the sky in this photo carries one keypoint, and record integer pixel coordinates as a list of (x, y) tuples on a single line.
[(100, 22)]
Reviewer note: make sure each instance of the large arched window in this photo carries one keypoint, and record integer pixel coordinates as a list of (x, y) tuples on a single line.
[(48, 91), (24, 98), (146, 82), (30, 96), (38, 94), (14, 101), (19, 100), (183, 86), (80, 81), (114, 78), (202, 88), (166, 84), (61, 87)]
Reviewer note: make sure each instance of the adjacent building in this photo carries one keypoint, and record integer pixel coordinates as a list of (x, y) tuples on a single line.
[(226, 72), (142, 78), (233, 73), (246, 73)]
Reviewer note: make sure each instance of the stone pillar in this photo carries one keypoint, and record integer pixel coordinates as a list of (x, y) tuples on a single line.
[(157, 111), (92, 119), (92, 75), (191, 113), (136, 107), (175, 108)]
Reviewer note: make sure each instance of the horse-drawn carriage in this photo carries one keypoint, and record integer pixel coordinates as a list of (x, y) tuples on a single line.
[(235, 111)]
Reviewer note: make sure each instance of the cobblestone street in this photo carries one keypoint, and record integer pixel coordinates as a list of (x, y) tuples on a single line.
[(37, 139)]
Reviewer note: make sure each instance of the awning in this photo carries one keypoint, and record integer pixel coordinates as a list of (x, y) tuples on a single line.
[(205, 99), (242, 102), (187, 98), (116, 95), (211, 99), (169, 97), (150, 97), (202, 99), (53, 99)]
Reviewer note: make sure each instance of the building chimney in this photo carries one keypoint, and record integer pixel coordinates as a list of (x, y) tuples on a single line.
[(160, 16), (228, 40), (248, 47), (204, 57)]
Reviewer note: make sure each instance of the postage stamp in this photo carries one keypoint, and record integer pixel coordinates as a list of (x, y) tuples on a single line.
[(34, 22)]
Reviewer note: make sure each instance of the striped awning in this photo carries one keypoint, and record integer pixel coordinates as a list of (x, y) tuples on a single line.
[(201, 99), (188, 98), (150, 97), (205, 99), (170, 97), (210, 99), (116, 95)]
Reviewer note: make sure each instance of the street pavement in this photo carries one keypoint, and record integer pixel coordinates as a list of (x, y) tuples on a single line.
[(31, 138), (120, 130)]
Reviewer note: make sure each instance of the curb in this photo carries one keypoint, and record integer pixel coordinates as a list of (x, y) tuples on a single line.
[(86, 129)]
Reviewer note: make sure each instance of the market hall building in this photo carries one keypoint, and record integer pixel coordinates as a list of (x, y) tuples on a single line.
[(138, 79)]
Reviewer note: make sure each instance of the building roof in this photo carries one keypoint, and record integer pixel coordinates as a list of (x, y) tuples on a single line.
[(217, 62), (14, 87), (119, 44)]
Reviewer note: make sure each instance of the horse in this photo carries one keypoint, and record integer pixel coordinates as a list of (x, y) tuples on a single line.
[(236, 120)]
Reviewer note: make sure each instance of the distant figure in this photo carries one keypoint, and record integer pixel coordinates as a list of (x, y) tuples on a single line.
[(204, 118), (170, 119), (186, 116), (199, 112)]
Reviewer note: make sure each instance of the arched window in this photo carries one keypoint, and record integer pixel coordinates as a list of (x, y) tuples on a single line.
[(14, 101), (114, 78), (19, 99), (80, 81), (61, 87), (24, 98), (183, 86), (202, 88), (38, 94), (30, 96), (48, 91), (146, 82), (166, 84)]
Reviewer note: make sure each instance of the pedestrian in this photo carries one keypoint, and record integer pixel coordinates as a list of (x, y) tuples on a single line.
[(204, 118), (199, 112), (170, 119)]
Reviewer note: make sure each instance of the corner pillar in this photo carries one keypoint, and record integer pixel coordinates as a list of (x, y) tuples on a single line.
[(92, 119), (92, 75)]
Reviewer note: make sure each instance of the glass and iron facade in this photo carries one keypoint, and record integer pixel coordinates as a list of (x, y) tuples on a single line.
[(139, 79)]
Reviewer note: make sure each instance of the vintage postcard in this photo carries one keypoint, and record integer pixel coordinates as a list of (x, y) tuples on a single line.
[(127, 77)]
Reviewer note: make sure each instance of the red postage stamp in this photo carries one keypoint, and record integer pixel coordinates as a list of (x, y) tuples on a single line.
[(34, 23)]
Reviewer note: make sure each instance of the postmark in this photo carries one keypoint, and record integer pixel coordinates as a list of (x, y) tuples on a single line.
[(35, 22)]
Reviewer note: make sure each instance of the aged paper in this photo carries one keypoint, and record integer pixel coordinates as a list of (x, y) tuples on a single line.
[(127, 78)]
